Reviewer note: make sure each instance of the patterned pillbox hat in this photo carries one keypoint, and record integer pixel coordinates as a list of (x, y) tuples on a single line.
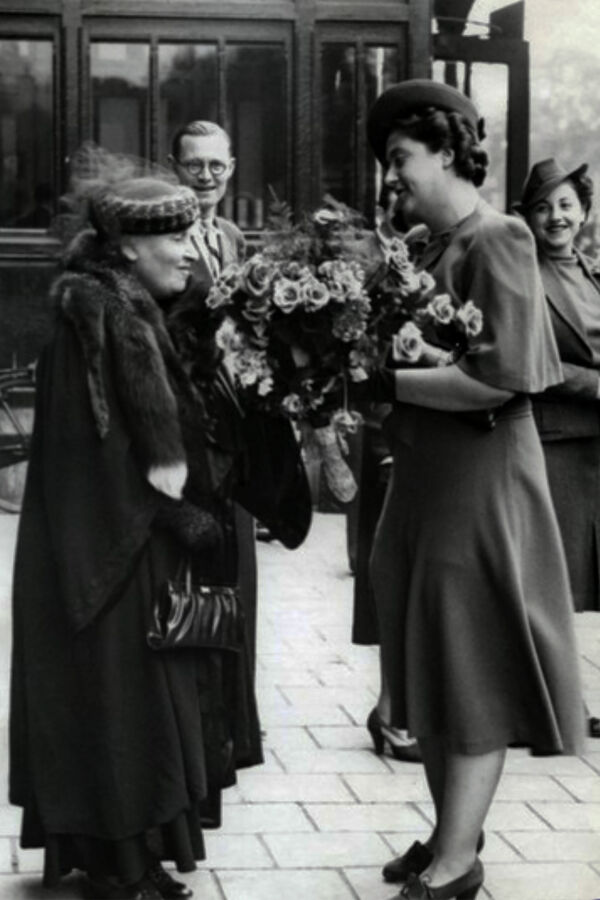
[(145, 205)]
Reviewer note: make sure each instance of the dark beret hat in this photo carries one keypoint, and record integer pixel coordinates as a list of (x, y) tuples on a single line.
[(400, 100)]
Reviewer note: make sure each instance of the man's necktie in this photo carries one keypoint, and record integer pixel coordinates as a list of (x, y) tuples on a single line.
[(211, 242)]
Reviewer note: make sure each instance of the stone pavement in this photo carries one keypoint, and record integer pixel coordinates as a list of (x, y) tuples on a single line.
[(324, 813)]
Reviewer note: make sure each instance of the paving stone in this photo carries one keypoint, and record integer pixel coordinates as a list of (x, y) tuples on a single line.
[(340, 761), (378, 817), (271, 763), (257, 787), (256, 818), (570, 816), (504, 816), (325, 884), (533, 787), (286, 678), (340, 737), (331, 850), (231, 795), (10, 820), (299, 716), (389, 789), (548, 846), (7, 848), (546, 765), (29, 860), (584, 789), (292, 738), (234, 851), (203, 883), (542, 881), (368, 884), (496, 849)]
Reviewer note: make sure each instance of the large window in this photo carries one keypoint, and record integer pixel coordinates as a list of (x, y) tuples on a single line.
[(144, 88), (353, 68), (120, 83), (27, 127)]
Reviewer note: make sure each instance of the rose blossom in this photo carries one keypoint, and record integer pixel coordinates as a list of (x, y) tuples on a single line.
[(293, 271), (427, 282), (314, 294), (218, 296), (256, 309), (471, 318), (257, 275), (410, 281), (408, 343), (292, 405), (441, 309), (286, 295)]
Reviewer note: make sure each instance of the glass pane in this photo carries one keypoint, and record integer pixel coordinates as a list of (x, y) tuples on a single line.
[(188, 78), (120, 78), (382, 69), (487, 84), (338, 117), (27, 188), (256, 119)]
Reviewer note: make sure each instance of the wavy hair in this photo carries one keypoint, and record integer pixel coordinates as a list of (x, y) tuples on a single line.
[(440, 130)]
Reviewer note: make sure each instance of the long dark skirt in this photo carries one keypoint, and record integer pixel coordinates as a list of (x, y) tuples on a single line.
[(574, 476), (472, 591), (118, 752)]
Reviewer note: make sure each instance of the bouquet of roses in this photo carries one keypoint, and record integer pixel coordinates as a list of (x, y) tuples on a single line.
[(296, 312), (419, 326)]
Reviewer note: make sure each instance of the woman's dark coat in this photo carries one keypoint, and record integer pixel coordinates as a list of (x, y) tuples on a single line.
[(110, 740), (568, 421)]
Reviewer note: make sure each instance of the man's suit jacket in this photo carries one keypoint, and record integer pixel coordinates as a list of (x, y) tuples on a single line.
[(571, 409), (233, 250)]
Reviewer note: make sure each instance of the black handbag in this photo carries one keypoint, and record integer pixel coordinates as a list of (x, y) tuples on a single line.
[(191, 615)]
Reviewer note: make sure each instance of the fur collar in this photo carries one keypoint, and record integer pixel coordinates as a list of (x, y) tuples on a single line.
[(119, 325)]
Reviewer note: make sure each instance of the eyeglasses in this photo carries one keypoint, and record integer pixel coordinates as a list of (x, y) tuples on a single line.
[(195, 166)]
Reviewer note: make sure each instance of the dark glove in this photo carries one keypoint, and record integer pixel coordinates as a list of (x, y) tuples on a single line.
[(379, 387), (195, 528)]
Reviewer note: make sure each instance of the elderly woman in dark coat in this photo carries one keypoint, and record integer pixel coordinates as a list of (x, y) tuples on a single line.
[(118, 753), (470, 580), (556, 204)]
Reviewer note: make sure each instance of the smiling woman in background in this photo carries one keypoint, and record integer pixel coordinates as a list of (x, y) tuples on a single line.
[(556, 204)]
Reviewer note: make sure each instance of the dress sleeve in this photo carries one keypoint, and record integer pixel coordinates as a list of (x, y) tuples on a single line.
[(515, 350)]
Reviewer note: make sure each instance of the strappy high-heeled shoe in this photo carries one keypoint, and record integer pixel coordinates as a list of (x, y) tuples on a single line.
[(464, 888), (377, 729), (414, 861)]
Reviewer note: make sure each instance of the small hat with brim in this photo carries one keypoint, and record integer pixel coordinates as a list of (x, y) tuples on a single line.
[(400, 100), (145, 205), (541, 181)]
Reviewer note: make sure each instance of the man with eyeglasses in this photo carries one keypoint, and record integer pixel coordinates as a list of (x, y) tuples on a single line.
[(201, 158)]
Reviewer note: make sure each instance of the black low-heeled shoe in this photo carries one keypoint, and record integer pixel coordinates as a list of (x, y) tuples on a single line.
[(464, 888), (403, 752), (414, 862), (594, 727), (166, 885)]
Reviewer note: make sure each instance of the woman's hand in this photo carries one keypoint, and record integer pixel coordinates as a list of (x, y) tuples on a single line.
[(169, 480)]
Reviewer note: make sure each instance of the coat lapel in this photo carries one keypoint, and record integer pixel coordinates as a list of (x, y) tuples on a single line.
[(561, 301)]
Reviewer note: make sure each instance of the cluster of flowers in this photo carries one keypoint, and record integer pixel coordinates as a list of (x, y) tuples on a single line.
[(323, 302), (296, 311), (419, 326)]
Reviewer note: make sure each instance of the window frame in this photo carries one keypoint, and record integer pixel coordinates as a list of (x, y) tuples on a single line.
[(20, 242), (361, 36), (160, 30)]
